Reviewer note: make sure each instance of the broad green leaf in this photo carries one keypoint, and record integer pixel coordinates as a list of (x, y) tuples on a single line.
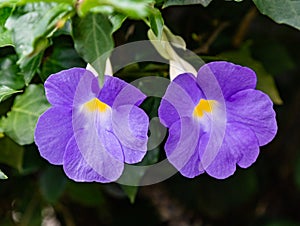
[(2, 175), (20, 122), (63, 56), (93, 40), (281, 11), (156, 23), (5, 35), (31, 26), (52, 183), (13, 3), (11, 153), (136, 9), (6, 92), (10, 73), (265, 81), (186, 2)]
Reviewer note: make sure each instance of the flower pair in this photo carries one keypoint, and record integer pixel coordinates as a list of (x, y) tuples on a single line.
[(215, 121)]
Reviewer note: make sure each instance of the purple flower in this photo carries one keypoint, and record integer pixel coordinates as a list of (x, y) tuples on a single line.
[(216, 120), (89, 130)]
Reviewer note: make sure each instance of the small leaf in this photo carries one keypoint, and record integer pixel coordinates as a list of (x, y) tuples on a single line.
[(5, 35), (20, 122), (156, 23), (281, 11), (2, 176), (6, 92), (93, 40), (265, 81), (10, 73), (186, 2), (11, 153), (52, 183), (135, 9), (116, 20)]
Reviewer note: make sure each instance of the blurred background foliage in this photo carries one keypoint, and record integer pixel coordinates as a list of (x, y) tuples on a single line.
[(39, 38)]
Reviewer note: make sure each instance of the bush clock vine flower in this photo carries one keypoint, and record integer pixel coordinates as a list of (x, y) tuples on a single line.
[(92, 131), (196, 110)]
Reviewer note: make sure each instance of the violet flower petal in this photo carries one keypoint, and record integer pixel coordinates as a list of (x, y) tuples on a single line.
[(253, 109), (76, 168), (61, 87), (130, 125), (240, 145), (53, 132)]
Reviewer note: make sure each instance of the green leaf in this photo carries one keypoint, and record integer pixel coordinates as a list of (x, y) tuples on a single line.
[(20, 122), (265, 81), (116, 20), (186, 2), (93, 40), (281, 11), (5, 35), (11, 154), (31, 25), (6, 92), (63, 56), (156, 23), (135, 9), (52, 183), (10, 73), (2, 175)]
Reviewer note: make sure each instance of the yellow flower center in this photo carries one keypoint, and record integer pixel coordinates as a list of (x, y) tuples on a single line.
[(96, 105), (203, 106)]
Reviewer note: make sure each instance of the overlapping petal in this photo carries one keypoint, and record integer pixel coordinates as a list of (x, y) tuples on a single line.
[(61, 87), (53, 132), (254, 109)]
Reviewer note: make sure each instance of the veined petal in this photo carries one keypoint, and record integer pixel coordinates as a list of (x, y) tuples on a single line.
[(230, 79), (116, 92), (77, 168), (182, 147), (97, 145), (254, 109), (61, 87), (130, 125), (179, 100), (240, 145), (52, 133)]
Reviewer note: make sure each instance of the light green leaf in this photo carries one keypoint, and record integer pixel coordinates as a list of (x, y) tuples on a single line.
[(135, 9), (265, 81), (6, 92), (52, 183), (2, 175), (156, 23), (165, 47), (93, 40), (116, 20), (186, 2), (5, 35), (281, 11), (20, 122), (11, 154), (31, 25)]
